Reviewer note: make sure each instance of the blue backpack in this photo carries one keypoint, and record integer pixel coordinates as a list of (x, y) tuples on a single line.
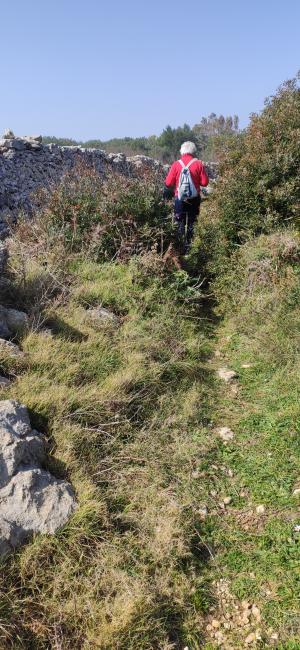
[(186, 187)]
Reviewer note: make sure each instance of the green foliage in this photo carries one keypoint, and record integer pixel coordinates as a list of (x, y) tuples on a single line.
[(108, 218), (123, 405), (171, 139), (261, 275), (259, 185), (165, 147), (62, 142), (258, 188), (133, 407), (248, 241), (213, 132), (259, 338)]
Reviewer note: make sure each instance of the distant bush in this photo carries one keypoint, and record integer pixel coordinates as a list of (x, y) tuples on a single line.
[(108, 218)]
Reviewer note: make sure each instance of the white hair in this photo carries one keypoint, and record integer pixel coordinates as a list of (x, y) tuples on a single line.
[(188, 147)]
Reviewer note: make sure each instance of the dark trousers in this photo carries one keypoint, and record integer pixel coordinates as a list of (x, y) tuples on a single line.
[(186, 213)]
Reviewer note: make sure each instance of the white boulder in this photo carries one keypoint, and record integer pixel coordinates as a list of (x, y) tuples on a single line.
[(31, 499)]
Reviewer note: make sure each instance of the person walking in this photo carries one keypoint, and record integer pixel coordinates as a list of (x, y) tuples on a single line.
[(185, 178)]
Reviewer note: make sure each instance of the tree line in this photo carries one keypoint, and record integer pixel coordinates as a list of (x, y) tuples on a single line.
[(209, 135)]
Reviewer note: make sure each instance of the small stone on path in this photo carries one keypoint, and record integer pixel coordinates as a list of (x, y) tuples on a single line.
[(256, 612), (99, 316), (215, 623), (251, 638), (227, 375), (234, 389), (202, 512), (225, 433)]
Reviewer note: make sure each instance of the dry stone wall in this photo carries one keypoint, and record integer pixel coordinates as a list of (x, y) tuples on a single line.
[(26, 165)]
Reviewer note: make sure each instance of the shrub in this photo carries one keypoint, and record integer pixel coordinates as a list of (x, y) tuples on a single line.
[(109, 218), (259, 184)]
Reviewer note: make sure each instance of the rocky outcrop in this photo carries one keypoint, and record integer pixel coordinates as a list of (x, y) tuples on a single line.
[(26, 165), (31, 499)]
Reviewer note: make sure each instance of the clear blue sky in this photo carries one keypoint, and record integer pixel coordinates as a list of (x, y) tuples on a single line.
[(100, 69)]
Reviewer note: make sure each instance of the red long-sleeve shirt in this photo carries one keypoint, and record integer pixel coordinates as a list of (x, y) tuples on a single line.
[(198, 173)]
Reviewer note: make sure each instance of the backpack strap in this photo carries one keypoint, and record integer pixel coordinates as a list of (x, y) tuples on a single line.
[(189, 164)]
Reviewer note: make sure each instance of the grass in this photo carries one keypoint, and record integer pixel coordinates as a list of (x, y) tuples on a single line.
[(130, 411), (258, 554), (125, 412)]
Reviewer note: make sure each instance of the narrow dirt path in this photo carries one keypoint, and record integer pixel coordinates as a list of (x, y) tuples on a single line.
[(243, 613)]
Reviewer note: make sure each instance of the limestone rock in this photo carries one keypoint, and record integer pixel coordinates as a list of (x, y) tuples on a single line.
[(12, 321), (225, 433), (226, 374), (16, 445), (251, 638), (215, 623), (5, 333), (14, 417), (203, 512), (13, 143), (16, 320), (35, 138), (31, 499), (99, 316), (256, 613), (4, 382), (7, 347), (34, 501)]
